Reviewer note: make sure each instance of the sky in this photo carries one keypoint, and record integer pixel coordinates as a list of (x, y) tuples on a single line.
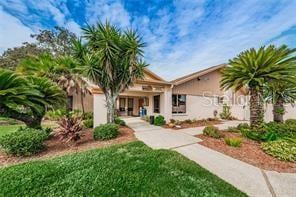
[(182, 36)]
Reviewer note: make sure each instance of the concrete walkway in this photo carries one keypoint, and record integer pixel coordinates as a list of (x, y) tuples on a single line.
[(245, 177)]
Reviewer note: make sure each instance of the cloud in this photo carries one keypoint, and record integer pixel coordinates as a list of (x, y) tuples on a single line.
[(12, 32), (104, 10), (182, 36)]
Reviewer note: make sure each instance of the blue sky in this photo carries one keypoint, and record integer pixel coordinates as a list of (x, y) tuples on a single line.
[(182, 36)]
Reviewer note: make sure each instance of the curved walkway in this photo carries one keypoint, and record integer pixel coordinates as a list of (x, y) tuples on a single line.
[(247, 178)]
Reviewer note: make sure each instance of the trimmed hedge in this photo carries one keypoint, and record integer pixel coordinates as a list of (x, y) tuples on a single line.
[(106, 131), (23, 142)]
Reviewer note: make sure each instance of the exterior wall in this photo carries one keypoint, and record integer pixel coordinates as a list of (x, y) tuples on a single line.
[(290, 112), (208, 84), (100, 110), (199, 107), (87, 101)]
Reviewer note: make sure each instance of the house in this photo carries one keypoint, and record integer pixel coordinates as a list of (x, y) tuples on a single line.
[(194, 96)]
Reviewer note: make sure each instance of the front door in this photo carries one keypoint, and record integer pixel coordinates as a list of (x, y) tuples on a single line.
[(130, 106), (141, 103)]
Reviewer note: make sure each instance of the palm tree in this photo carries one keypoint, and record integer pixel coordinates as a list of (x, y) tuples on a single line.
[(256, 68), (280, 93), (26, 99), (62, 70), (111, 58)]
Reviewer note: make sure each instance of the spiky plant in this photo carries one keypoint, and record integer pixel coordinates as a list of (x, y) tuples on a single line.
[(26, 99), (70, 128), (256, 68), (111, 58)]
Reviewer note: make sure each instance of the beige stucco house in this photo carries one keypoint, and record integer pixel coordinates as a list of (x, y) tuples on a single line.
[(194, 96)]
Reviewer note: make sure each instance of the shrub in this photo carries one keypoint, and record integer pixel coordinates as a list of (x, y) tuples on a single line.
[(281, 129), (69, 128), (243, 126), (284, 149), (88, 115), (259, 134), (233, 129), (188, 121), (159, 120), (106, 131), (291, 121), (88, 123), (212, 131), (226, 114), (119, 121), (23, 142), (172, 121), (235, 142), (55, 114)]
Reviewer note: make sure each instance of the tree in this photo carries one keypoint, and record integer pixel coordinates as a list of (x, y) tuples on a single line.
[(62, 70), (27, 99), (57, 41), (111, 58), (256, 68), (12, 56), (280, 93)]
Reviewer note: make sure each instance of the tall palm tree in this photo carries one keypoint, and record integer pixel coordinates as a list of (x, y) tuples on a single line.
[(26, 99), (255, 68), (111, 58), (279, 94)]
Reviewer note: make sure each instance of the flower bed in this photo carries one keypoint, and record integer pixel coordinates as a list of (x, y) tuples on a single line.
[(249, 152), (192, 123), (54, 147)]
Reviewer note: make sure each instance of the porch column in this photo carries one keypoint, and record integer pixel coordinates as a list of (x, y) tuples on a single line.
[(167, 103)]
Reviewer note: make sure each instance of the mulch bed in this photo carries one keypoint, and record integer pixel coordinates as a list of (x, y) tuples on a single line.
[(54, 147), (250, 152), (197, 123)]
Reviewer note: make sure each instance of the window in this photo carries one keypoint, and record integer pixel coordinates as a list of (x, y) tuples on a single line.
[(178, 104), (122, 104), (220, 99), (156, 104)]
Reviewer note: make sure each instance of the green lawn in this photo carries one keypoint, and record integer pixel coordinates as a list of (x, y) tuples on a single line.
[(131, 169)]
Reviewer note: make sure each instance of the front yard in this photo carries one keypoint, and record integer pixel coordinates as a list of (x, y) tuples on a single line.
[(131, 169)]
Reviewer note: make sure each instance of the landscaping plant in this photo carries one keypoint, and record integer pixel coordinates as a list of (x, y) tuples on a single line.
[(159, 120), (291, 121), (212, 131), (88, 123), (27, 98), (284, 149), (119, 121), (112, 59), (235, 142), (256, 68), (70, 128), (106, 131), (23, 142)]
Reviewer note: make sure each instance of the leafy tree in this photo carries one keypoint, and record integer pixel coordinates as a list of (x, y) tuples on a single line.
[(27, 99), (12, 56), (256, 68), (111, 58), (280, 93), (58, 41)]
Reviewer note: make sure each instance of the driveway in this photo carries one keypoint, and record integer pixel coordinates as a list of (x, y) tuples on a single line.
[(249, 179)]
